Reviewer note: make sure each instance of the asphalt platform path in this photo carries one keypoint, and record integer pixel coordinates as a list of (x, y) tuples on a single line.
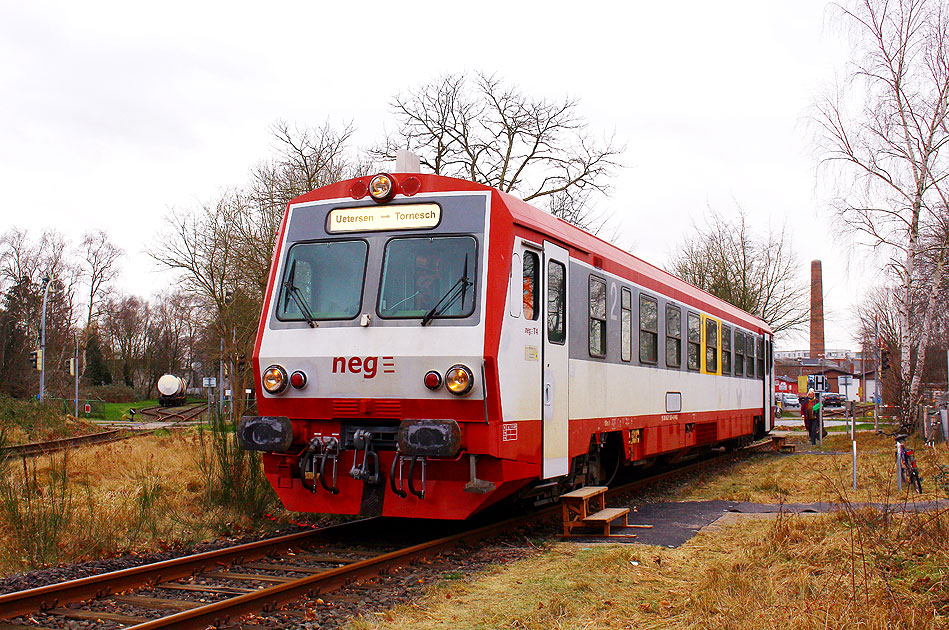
[(675, 523)]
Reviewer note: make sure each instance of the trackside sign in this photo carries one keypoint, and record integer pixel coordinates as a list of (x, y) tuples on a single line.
[(374, 218)]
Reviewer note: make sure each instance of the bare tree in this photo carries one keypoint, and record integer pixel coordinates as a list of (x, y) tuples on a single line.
[(760, 275), (101, 258), (886, 127), (484, 130)]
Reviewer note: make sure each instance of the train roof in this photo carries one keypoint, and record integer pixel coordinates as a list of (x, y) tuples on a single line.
[(600, 253)]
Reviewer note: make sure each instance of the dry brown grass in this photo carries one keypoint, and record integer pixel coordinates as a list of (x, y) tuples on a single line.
[(136, 495), (781, 574), (808, 478)]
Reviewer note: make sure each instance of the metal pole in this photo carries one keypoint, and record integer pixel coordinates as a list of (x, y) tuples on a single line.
[(77, 376), (47, 281), (220, 382), (876, 374), (820, 418)]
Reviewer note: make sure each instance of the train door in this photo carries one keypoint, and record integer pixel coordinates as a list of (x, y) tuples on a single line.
[(768, 382), (555, 382)]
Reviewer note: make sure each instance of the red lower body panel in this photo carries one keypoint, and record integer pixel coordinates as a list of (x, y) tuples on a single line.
[(445, 496)]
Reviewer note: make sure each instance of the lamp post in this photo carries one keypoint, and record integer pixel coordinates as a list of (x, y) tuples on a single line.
[(47, 282)]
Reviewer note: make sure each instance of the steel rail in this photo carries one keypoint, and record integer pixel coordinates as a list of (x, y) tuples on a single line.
[(52, 446), (52, 595)]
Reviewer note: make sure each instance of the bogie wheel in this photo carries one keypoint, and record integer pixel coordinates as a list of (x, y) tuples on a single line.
[(605, 460)]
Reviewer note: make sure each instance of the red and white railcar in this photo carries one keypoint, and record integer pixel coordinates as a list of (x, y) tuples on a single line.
[(429, 346)]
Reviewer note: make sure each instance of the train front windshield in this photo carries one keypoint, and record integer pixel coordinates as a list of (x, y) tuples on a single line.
[(428, 275), (324, 281)]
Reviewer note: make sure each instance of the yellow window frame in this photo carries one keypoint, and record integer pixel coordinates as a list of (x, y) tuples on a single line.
[(718, 345)]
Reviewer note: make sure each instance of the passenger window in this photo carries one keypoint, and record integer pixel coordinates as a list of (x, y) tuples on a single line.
[(760, 346), (556, 299), (726, 350), (711, 346), (530, 296), (695, 341), (597, 317), (648, 329), (750, 356), (739, 353), (673, 337), (626, 323)]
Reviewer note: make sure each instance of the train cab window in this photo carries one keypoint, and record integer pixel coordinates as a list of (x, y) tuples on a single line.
[(428, 275), (694, 347), (597, 317), (739, 353), (556, 302), (759, 342), (726, 350), (750, 356), (673, 336), (531, 298), (626, 326), (711, 346), (323, 281), (648, 329)]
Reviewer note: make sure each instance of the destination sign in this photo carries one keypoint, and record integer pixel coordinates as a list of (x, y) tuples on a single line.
[(376, 218)]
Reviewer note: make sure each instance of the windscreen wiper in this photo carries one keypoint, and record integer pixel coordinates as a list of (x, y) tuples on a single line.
[(297, 296), (457, 290)]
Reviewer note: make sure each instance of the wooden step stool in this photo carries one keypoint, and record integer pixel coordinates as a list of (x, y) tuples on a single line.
[(577, 511)]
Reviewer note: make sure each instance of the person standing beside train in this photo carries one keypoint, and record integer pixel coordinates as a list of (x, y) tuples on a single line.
[(810, 419)]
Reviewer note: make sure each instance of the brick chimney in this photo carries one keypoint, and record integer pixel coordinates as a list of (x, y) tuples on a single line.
[(817, 311)]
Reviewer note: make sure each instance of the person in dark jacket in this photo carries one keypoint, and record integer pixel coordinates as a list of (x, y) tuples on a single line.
[(810, 406)]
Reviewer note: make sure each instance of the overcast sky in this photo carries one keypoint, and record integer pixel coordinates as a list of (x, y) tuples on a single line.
[(112, 114)]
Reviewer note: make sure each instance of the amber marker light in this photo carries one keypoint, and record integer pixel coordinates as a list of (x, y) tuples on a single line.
[(459, 380), (382, 187), (275, 379)]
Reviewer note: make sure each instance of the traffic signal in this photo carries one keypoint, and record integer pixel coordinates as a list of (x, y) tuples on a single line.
[(33, 360), (884, 360)]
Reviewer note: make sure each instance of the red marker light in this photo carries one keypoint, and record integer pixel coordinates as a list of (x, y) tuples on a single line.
[(359, 190), (298, 379), (411, 186), (433, 380)]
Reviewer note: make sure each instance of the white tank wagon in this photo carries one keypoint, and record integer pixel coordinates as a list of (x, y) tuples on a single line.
[(172, 390)]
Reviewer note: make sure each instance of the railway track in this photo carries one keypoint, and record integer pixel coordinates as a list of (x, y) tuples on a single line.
[(215, 588), (53, 446), (176, 414)]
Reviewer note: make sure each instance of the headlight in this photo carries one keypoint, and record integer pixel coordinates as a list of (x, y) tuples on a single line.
[(275, 379), (382, 187), (459, 380)]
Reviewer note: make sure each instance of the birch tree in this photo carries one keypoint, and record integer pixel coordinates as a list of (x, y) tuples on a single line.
[(883, 135)]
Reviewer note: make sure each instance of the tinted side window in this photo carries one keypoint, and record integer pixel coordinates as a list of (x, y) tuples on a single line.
[(556, 299), (648, 329), (530, 293), (739, 353), (673, 337), (695, 341), (711, 345), (626, 324), (759, 343), (726, 350), (597, 317), (750, 356)]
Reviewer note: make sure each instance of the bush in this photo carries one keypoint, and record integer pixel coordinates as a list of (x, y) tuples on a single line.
[(31, 420), (111, 393)]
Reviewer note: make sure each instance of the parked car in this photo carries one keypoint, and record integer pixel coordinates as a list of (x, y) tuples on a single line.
[(791, 401), (833, 400)]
